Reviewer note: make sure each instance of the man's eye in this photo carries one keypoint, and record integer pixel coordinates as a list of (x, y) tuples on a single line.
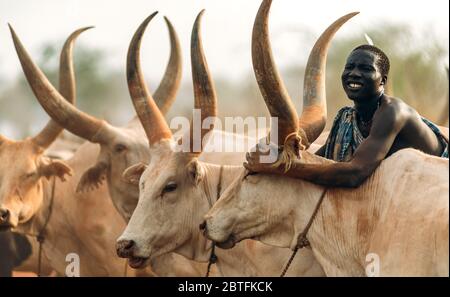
[(170, 187)]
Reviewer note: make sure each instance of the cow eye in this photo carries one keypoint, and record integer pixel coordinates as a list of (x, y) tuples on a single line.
[(29, 175), (170, 187), (118, 148)]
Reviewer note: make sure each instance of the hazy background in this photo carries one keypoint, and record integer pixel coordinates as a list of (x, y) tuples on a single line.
[(414, 34)]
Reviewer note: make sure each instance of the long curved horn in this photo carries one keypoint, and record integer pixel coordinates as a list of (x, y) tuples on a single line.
[(205, 97), (167, 90), (270, 84), (148, 112), (314, 115), (54, 104), (67, 88)]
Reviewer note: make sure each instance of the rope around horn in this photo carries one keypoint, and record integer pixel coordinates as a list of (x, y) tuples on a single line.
[(289, 153)]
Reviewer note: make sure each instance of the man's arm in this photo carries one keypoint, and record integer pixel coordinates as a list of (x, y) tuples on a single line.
[(386, 125)]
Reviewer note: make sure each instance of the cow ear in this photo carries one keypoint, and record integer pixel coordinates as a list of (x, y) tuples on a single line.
[(132, 174), (93, 177), (55, 168), (196, 172)]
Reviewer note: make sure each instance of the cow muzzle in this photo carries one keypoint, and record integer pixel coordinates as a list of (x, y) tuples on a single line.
[(127, 249), (5, 219), (223, 243)]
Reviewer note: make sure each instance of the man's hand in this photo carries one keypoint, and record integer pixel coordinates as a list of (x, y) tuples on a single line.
[(257, 159)]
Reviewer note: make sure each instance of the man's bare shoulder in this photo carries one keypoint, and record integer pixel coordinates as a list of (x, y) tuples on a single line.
[(397, 108)]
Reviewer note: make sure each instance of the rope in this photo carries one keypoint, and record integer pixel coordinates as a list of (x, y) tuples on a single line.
[(126, 268), (289, 262), (213, 257), (302, 239), (40, 236)]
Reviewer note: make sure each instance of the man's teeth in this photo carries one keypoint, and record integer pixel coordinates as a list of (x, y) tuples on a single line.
[(355, 85)]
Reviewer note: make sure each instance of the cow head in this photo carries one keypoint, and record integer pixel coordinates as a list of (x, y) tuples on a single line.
[(23, 166), (119, 147), (172, 185), (249, 208)]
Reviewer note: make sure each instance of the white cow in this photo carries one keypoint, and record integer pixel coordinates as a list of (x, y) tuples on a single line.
[(398, 217), (395, 224), (176, 189)]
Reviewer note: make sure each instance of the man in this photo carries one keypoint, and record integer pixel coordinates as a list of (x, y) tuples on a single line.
[(362, 136)]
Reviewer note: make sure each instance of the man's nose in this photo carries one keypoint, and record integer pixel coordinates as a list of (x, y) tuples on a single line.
[(4, 216), (354, 73)]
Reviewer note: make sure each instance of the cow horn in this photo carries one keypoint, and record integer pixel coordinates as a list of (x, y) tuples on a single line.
[(67, 88), (54, 103), (167, 90), (270, 84), (314, 116), (205, 97), (148, 112)]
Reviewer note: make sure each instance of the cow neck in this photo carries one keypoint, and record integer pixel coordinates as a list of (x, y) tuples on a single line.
[(213, 257), (302, 238), (37, 225), (198, 248), (226, 259), (336, 235)]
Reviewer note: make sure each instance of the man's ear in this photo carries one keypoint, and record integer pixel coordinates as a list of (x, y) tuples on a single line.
[(55, 168), (195, 171), (93, 177), (132, 174), (384, 81)]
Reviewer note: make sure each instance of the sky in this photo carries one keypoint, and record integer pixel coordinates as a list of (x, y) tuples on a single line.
[(226, 27)]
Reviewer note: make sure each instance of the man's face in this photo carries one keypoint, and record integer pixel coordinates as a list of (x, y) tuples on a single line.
[(361, 77)]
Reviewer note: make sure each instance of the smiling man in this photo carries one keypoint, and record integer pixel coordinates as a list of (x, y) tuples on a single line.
[(363, 135)]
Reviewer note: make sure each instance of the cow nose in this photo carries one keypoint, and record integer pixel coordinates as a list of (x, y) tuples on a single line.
[(4, 216), (125, 248), (202, 226)]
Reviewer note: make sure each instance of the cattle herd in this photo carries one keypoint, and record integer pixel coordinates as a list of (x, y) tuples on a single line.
[(127, 203)]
